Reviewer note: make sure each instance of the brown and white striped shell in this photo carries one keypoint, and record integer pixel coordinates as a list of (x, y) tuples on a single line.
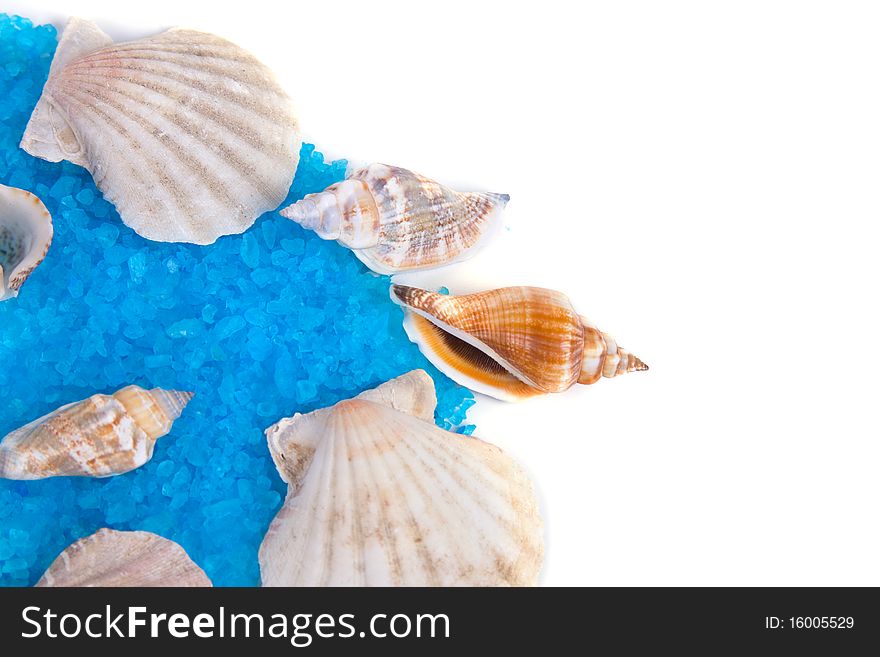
[(511, 343), (396, 220), (188, 135), (101, 436), (115, 558), (380, 496), (25, 236)]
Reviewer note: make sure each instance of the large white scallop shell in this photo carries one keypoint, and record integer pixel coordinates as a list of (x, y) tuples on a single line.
[(25, 237), (100, 436), (186, 133), (115, 558), (380, 496), (397, 220)]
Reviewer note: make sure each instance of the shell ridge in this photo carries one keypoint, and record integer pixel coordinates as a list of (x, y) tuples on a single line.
[(471, 456), (330, 485), (358, 536), (454, 513), (179, 75), (216, 187), (178, 93), (227, 158), (180, 202), (414, 526), (317, 510)]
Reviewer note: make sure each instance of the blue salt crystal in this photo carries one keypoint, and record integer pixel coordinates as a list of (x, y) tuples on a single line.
[(186, 328), (85, 196), (270, 231), (263, 276), (117, 254), (209, 312), (137, 266), (250, 250), (259, 326), (157, 360), (278, 258), (257, 317), (294, 246), (106, 234), (75, 288), (228, 326), (63, 186)]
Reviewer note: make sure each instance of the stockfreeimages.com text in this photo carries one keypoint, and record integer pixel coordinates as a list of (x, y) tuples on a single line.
[(299, 629)]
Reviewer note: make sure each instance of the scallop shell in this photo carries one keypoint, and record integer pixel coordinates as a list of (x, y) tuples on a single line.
[(114, 558), (101, 436), (186, 133), (25, 236), (396, 220), (511, 343), (380, 496)]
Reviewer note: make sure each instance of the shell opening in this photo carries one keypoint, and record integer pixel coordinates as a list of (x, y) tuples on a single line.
[(25, 236), (463, 361)]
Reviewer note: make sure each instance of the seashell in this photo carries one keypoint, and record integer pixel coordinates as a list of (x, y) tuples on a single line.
[(114, 558), (188, 135), (378, 496), (101, 436), (396, 220), (25, 235), (511, 343)]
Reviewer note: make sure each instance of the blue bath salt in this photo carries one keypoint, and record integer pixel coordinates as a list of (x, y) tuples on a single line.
[(259, 326)]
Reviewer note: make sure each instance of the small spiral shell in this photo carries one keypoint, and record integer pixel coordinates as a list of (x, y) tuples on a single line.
[(510, 343), (100, 436), (396, 220)]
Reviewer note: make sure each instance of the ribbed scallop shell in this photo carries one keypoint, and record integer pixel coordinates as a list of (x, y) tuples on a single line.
[(510, 343), (380, 496), (25, 236), (101, 436), (397, 220), (186, 133), (114, 558)]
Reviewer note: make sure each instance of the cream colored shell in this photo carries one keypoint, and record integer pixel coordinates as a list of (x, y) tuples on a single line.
[(116, 558), (188, 135), (25, 236), (397, 220), (101, 436), (380, 496), (510, 343)]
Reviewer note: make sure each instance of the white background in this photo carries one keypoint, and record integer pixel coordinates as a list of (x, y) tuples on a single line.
[(702, 180)]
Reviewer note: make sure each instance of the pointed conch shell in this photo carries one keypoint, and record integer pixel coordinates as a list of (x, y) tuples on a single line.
[(114, 558), (25, 236), (510, 343), (396, 220), (101, 436), (380, 496), (186, 133)]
